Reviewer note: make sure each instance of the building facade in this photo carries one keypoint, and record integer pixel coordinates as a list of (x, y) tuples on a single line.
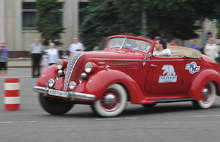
[(17, 26), (207, 25), (18, 17)]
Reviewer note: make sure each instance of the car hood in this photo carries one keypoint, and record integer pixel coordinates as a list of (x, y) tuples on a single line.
[(122, 54)]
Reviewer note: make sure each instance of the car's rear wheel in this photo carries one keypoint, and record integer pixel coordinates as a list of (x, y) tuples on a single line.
[(55, 106), (112, 103), (207, 97)]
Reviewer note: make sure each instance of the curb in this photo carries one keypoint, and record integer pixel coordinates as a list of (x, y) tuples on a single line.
[(19, 66), (20, 63)]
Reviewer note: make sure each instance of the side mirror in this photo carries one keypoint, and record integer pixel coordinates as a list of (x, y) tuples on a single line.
[(149, 54)]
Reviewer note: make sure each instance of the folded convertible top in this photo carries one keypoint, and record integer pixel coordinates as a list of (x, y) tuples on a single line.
[(185, 51)]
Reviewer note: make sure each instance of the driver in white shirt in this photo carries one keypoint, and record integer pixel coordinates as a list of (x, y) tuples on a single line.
[(161, 49)]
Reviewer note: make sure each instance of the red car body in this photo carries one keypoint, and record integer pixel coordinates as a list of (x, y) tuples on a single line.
[(121, 72)]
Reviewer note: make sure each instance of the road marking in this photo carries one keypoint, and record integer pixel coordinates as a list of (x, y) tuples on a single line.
[(17, 77), (206, 116), (12, 71), (6, 122), (127, 118), (29, 121), (11, 122)]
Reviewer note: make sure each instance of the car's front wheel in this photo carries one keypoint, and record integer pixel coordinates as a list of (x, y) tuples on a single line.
[(55, 106), (207, 97), (112, 103)]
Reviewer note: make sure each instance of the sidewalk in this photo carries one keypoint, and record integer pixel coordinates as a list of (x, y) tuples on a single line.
[(20, 63)]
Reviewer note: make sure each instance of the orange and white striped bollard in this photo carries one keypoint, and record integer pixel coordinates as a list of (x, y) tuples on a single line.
[(12, 94)]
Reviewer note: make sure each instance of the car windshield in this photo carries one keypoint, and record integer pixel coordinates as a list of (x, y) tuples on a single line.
[(134, 44)]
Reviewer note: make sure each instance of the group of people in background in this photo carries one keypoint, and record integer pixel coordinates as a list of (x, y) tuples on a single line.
[(51, 55), (192, 44), (211, 48)]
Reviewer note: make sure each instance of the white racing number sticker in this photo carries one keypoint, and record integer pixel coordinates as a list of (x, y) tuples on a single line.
[(169, 74)]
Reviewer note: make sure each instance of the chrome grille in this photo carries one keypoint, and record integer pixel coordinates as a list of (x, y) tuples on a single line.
[(70, 66)]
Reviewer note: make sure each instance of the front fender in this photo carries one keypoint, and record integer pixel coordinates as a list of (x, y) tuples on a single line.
[(99, 82), (47, 74), (199, 82)]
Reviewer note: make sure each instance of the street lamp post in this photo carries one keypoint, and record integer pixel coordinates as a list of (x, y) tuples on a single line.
[(144, 23)]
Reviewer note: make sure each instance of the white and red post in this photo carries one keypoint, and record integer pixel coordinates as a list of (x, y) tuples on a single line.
[(12, 94)]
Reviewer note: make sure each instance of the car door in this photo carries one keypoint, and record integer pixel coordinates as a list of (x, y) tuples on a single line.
[(165, 75)]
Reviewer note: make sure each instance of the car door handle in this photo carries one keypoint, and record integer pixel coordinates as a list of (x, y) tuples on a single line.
[(152, 65)]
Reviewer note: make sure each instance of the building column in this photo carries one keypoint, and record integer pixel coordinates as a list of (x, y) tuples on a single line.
[(18, 26), (71, 20), (10, 24), (210, 25), (2, 23)]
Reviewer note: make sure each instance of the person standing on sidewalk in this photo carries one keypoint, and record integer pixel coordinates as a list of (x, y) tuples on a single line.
[(211, 49), (193, 45), (45, 59), (172, 43), (3, 58), (64, 55), (76, 46), (53, 54), (36, 51)]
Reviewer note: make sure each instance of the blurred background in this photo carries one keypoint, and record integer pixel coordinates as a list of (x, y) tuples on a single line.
[(93, 20)]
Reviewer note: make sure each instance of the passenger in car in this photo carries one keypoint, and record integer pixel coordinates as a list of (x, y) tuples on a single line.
[(161, 49), (142, 46)]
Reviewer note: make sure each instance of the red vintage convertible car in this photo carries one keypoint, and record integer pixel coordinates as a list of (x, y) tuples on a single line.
[(126, 70)]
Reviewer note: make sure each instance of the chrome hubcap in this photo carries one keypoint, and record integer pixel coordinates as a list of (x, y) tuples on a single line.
[(110, 99), (205, 93)]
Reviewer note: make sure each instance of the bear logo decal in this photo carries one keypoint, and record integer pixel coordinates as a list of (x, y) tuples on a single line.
[(168, 69), (169, 75)]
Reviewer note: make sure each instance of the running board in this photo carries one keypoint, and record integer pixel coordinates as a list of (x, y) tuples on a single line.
[(172, 100)]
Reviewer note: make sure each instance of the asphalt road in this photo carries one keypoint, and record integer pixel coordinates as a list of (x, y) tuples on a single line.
[(173, 122)]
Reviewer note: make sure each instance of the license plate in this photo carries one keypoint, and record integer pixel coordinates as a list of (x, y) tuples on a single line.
[(58, 93)]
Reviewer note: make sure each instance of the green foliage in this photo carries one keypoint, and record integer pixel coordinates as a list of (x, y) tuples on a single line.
[(49, 21), (168, 18), (171, 18), (103, 19)]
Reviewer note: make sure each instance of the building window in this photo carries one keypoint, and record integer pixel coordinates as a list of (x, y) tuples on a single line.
[(29, 14), (82, 15), (198, 23)]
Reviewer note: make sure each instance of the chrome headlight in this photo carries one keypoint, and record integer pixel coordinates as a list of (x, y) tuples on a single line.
[(59, 64), (88, 67), (72, 85), (51, 83), (60, 72)]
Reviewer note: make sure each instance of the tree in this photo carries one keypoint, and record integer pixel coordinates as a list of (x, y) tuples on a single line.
[(173, 18), (168, 18), (49, 21), (103, 19)]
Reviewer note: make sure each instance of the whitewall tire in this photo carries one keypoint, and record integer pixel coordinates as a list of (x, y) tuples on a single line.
[(112, 103), (207, 97)]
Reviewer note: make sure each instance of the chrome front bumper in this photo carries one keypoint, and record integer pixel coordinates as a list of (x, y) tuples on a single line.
[(71, 95)]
